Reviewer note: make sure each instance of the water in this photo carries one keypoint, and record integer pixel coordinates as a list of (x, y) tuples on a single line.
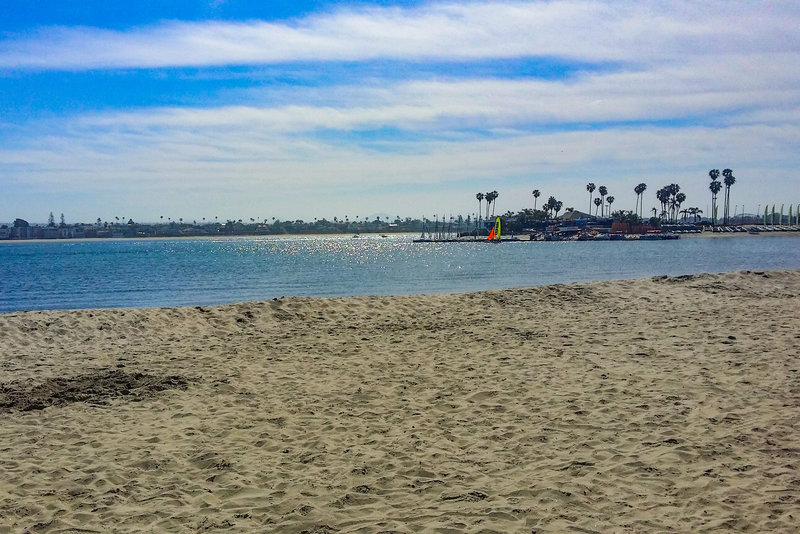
[(150, 273)]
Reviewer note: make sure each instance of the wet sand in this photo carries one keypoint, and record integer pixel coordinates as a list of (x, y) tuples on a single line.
[(665, 404)]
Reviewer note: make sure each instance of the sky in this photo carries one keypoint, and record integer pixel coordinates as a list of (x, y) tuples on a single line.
[(238, 109)]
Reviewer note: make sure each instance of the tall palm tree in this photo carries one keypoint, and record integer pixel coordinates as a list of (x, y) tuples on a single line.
[(495, 194), (590, 188), (536, 194), (714, 175), (479, 196), (663, 197), (715, 188), (610, 201), (729, 180), (597, 202), (680, 198), (603, 190), (672, 193), (639, 190)]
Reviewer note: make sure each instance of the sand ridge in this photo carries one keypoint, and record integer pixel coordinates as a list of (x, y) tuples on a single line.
[(666, 404)]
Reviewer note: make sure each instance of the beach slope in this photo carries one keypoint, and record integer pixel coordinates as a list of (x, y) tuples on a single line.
[(662, 404)]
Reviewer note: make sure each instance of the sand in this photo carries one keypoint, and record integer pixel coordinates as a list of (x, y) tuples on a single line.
[(667, 404)]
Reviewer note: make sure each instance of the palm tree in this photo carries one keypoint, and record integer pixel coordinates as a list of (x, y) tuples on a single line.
[(639, 190), (610, 201), (663, 197), (490, 197), (603, 192), (680, 198), (715, 188), (597, 202), (730, 179), (557, 207), (550, 205), (590, 188), (714, 175), (495, 194), (479, 196), (536, 194)]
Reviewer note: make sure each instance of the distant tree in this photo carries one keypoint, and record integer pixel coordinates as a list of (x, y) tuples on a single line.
[(603, 190), (680, 198), (714, 175), (536, 193), (609, 200), (663, 198), (639, 190), (479, 196), (490, 197), (590, 188), (63, 223), (557, 207), (729, 180), (597, 202), (626, 217), (715, 188), (495, 194), (51, 221)]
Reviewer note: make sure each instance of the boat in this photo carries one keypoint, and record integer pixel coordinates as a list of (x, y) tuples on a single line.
[(494, 234)]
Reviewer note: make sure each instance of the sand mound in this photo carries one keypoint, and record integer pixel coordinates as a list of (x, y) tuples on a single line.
[(94, 388)]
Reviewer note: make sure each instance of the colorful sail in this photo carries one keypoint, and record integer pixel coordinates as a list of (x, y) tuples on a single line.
[(494, 233)]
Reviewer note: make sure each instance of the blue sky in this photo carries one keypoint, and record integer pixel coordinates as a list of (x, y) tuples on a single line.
[(242, 109)]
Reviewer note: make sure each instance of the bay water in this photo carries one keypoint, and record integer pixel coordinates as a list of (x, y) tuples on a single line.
[(37, 275)]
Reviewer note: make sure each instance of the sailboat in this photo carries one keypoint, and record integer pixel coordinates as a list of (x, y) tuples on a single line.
[(494, 234)]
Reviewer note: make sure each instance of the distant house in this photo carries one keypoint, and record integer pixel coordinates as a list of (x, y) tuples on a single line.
[(575, 215)]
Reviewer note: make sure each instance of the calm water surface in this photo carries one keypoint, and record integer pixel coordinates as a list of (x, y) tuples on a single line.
[(149, 273)]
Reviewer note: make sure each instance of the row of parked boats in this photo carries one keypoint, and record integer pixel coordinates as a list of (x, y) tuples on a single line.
[(756, 229), (602, 236)]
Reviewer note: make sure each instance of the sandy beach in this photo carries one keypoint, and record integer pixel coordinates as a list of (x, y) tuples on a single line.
[(664, 404)]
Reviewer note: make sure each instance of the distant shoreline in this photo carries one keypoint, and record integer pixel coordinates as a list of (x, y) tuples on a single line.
[(345, 235)]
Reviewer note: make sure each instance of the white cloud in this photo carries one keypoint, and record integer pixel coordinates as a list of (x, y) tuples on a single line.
[(585, 30), (666, 92)]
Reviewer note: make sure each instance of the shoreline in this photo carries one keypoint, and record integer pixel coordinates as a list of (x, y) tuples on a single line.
[(666, 403), (389, 235)]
